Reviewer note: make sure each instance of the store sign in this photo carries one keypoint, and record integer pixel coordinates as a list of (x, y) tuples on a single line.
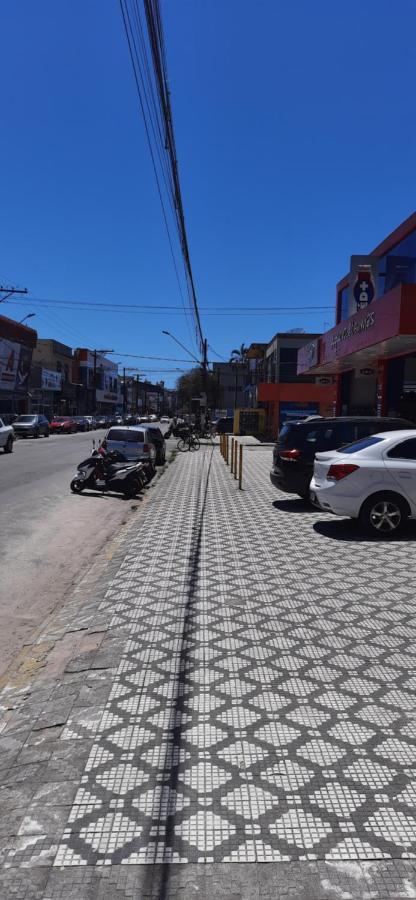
[(51, 381), (106, 397), (15, 361), (366, 372), (352, 328), (363, 282)]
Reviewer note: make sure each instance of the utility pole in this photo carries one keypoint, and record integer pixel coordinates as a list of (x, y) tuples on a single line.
[(124, 393), (137, 393), (9, 291)]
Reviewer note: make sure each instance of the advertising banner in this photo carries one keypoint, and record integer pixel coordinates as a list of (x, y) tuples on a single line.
[(51, 381), (15, 361)]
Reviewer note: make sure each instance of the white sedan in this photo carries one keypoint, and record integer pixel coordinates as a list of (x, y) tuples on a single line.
[(6, 437), (373, 480)]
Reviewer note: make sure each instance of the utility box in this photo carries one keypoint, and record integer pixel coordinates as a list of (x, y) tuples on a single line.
[(249, 421)]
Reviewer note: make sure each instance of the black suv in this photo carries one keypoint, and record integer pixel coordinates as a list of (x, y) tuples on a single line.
[(294, 451)]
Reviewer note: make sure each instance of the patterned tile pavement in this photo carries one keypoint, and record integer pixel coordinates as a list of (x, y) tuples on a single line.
[(263, 708)]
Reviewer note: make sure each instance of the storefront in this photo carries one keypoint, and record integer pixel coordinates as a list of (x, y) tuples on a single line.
[(295, 401), (371, 352), (16, 347)]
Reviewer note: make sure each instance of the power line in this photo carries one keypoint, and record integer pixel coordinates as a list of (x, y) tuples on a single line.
[(138, 77), (157, 46), (149, 307)]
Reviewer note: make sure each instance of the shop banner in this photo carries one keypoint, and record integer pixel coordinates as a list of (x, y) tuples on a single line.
[(51, 381), (15, 361)]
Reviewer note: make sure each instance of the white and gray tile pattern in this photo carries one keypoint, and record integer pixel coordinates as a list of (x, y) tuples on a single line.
[(264, 706)]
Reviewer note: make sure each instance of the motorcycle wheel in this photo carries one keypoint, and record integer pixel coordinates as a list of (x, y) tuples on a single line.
[(131, 490), (77, 486)]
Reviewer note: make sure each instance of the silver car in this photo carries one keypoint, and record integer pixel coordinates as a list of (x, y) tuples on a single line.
[(132, 441)]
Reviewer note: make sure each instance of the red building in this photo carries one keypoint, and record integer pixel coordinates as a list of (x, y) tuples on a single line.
[(371, 351)]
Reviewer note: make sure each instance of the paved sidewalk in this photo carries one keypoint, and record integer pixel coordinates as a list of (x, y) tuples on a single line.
[(227, 708)]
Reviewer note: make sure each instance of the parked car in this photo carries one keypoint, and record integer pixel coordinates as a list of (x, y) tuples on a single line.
[(6, 437), (63, 425), (158, 439), (82, 423), (118, 420), (165, 419), (31, 426), (92, 421), (225, 425), (373, 480), (294, 451), (102, 421), (133, 442)]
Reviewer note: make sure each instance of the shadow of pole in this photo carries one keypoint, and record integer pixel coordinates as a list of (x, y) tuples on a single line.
[(159, 877)]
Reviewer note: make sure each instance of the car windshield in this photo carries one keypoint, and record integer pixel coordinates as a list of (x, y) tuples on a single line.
[(360, 445), (25, 419), (60, 419), (131, 437)]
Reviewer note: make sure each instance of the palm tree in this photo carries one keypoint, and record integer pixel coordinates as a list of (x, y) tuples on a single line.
[(238, 360), (239, 355)]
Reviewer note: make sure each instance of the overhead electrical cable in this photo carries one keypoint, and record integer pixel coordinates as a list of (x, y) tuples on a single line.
[(135, 61), (147, 100)]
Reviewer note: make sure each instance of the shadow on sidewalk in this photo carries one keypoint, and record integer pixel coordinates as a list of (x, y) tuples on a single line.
[(158, 878), (297, 505), (349, 530)]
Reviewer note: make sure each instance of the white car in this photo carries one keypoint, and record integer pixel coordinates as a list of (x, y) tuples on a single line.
[(6, 437), (373, 480)]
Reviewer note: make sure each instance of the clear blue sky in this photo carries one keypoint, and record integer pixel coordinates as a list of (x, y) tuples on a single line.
[(295, 127)]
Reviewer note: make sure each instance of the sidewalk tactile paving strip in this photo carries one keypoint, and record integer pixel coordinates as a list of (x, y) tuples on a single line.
[(263, 708)]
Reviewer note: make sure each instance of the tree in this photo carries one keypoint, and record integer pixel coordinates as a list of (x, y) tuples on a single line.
[(239, 355), (194, 383)]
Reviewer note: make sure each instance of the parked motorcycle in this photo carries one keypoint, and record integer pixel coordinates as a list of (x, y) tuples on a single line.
[(110, 472)]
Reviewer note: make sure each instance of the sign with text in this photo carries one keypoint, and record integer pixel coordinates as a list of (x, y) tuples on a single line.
[(363, 282)]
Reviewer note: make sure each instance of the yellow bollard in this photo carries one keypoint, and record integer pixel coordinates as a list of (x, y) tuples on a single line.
[(232, 456), (221, 446), (226, 448), (235, 459), (240, 474)]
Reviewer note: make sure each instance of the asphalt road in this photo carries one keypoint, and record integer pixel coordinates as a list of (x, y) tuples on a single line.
[(48, 535)]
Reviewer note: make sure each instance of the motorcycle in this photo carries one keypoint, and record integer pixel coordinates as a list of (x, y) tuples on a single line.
[(110, 472)]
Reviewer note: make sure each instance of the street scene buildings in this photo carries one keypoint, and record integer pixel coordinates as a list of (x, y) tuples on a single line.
[(207, 537)]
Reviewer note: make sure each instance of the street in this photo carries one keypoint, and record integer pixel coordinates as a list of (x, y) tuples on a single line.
[(48, 535), (245, 694)]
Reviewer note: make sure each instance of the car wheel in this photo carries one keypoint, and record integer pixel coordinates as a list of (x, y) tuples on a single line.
[(36, 433), (384, 514), (9, 445), (47, 433)]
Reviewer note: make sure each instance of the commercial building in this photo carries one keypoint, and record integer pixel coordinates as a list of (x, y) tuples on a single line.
[(371, 351), (17, 343), (284, 393), (99, 377), (52, 387), (231, 379)]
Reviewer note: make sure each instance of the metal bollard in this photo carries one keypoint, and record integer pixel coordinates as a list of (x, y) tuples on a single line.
[(235, 459), (240, 474), (232, 456)]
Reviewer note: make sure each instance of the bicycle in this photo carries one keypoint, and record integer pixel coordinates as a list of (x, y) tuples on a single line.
[(188, 442)]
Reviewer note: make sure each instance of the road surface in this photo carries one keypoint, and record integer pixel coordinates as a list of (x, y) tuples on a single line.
[(48, 536)]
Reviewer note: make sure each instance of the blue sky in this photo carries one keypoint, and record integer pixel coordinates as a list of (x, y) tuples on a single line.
[(295, 132)]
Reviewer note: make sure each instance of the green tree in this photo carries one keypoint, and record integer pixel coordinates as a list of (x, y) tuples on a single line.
[(194, 383)]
